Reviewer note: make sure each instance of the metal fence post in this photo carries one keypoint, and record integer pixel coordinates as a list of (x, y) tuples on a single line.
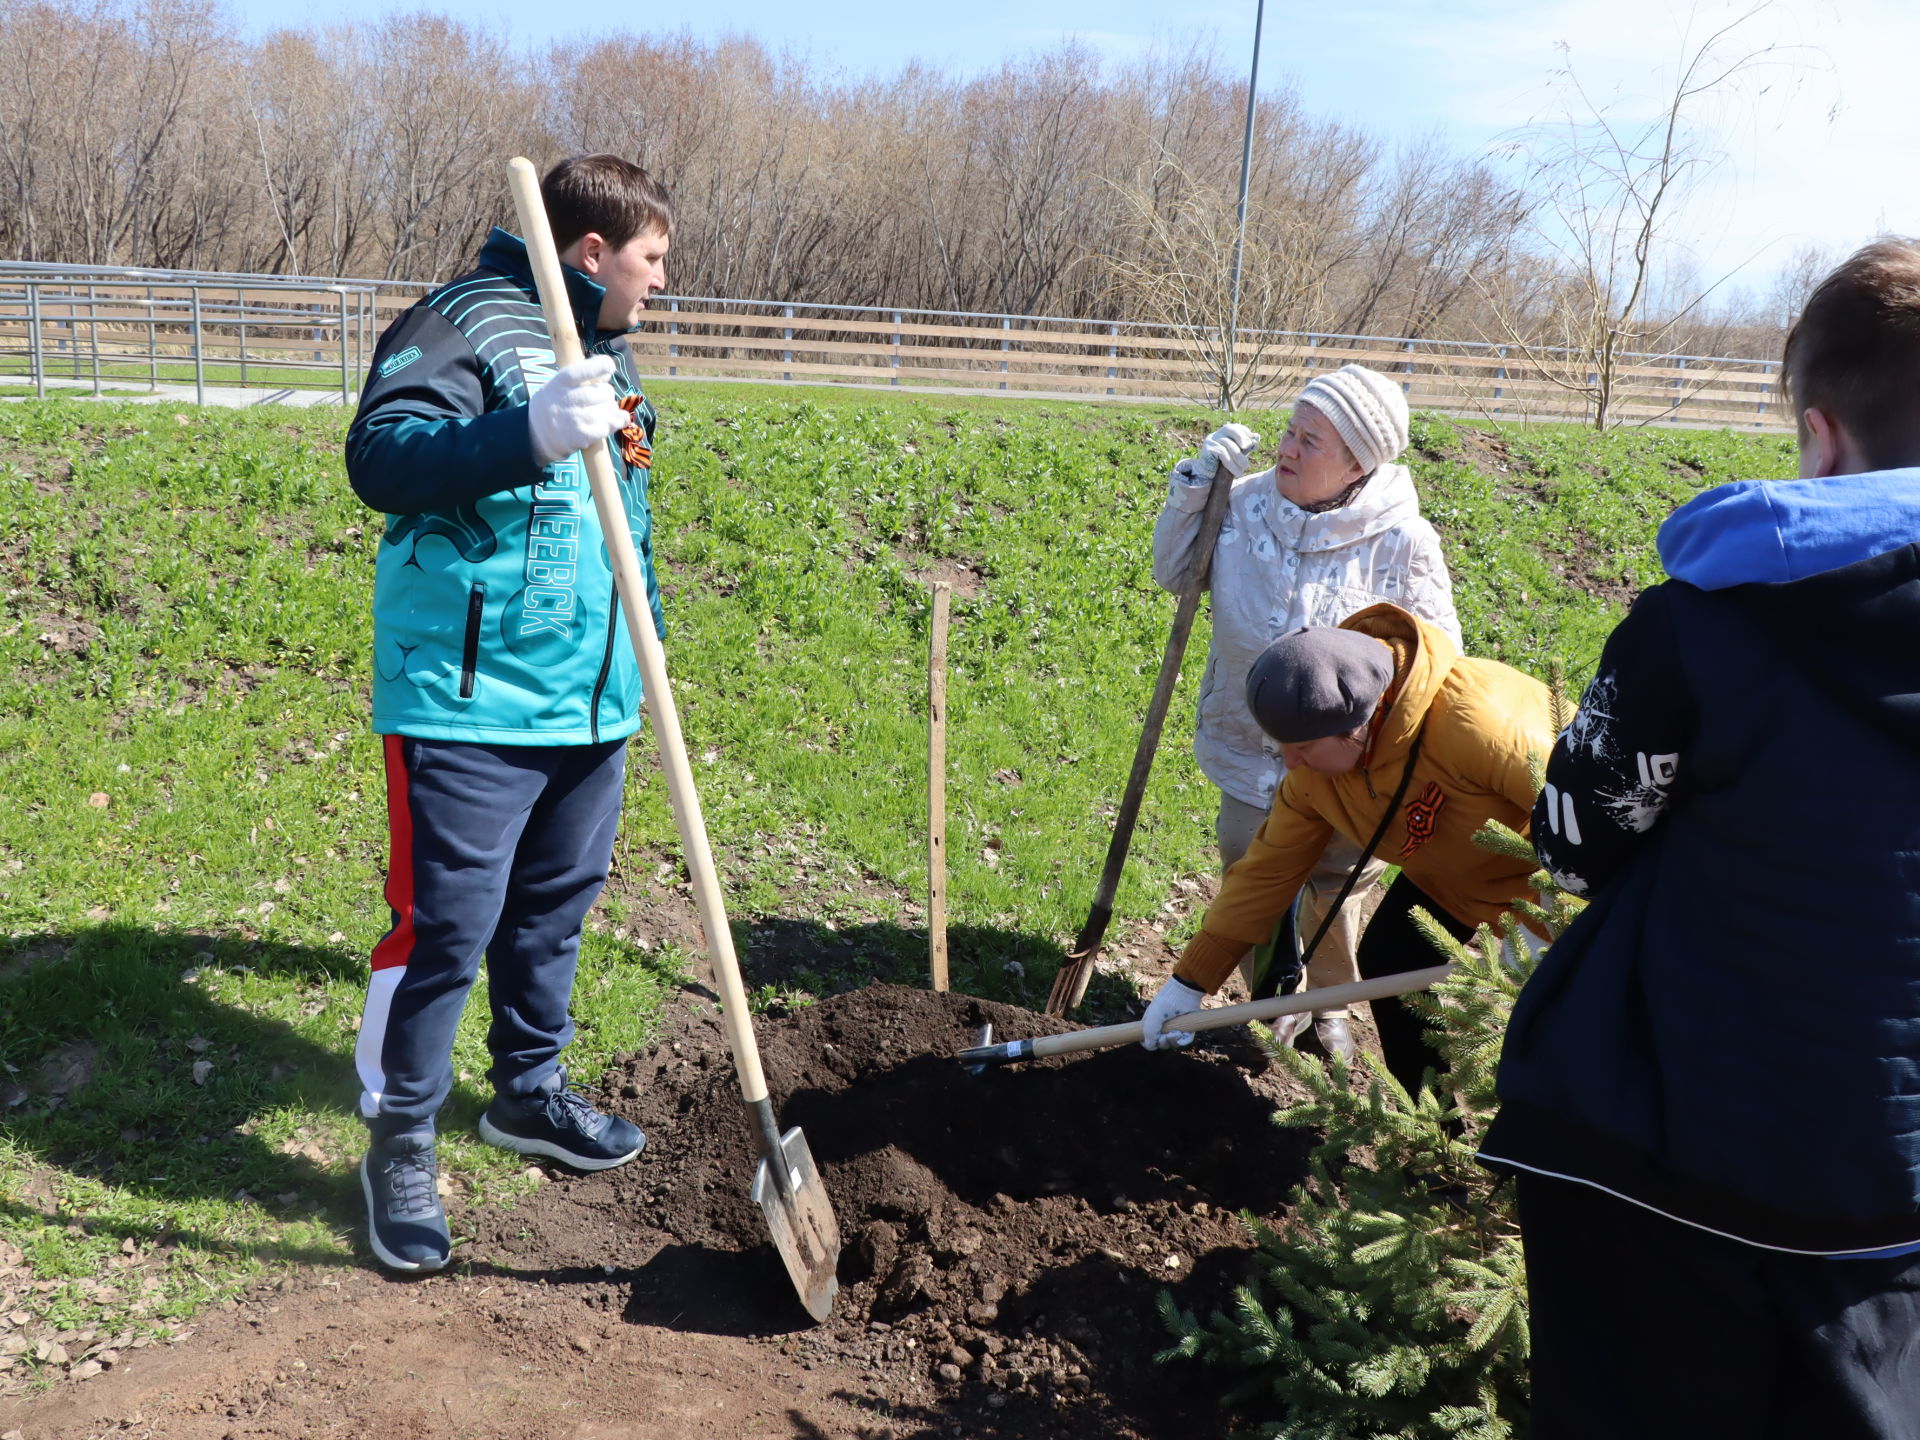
[(153, 343), (344, 377), (1005, 345), (199, 359), (1113, 353), (896, 350), (93, 335), (673, 328), (36, 343), (786, 356), (1406, 368), (240, 304)]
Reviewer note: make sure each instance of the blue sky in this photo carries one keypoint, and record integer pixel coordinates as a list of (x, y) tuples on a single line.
[(1818, 149)]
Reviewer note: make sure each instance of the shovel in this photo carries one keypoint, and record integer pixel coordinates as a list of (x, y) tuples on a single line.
[(1332, 998), (786, 1185), (1070, 984)]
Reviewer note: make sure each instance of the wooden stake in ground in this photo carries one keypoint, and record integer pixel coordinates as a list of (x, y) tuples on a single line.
[(937, 786), (1070, 985)]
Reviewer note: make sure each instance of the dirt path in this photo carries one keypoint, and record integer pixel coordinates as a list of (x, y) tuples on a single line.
[(1006, 1236), (473, 1356)]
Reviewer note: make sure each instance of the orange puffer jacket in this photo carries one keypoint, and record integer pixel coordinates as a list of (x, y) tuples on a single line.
[(1483, 720)]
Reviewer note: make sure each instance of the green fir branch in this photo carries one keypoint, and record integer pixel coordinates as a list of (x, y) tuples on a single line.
[(1392, 1306)]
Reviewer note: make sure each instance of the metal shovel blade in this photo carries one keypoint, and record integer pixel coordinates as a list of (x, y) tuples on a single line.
[(801, 1218), (982, 1041)]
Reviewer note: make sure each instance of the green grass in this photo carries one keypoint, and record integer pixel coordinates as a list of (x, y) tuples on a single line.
[(191, 812), (1549, 528)]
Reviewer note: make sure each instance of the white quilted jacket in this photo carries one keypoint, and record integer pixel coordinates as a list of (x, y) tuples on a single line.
[(1277, 567)]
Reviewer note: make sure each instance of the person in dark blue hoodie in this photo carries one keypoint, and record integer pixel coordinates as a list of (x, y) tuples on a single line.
[(504, 686), (1710, 1089)]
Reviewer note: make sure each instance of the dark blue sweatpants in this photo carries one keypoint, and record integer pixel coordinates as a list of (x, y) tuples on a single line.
[(497, 850)]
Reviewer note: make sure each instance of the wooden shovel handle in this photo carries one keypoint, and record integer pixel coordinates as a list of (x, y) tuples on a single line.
[(1331, 998), (1070, 985), (558, 310)]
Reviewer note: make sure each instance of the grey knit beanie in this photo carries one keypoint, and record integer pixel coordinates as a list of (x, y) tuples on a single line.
[(1368, 409), (1312, 683)]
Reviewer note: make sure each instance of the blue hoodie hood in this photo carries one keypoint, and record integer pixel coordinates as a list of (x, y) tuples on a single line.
[(1776, 531), (1830, 572)]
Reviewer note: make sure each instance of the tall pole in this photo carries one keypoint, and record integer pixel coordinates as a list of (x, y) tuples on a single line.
[(1240, 235)]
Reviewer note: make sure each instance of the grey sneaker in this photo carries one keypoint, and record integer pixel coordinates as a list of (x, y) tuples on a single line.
[(405, 1221), (562, 1126)]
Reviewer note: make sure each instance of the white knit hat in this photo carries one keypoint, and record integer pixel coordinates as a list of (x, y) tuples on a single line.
[(1368, 410)]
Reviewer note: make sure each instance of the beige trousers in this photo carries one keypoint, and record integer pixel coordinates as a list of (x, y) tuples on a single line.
[(1333, 963)]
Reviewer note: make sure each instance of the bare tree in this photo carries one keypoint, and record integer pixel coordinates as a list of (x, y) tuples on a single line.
[(1795, 283), (1609, 194), (451, 99), (1174, 267), (1439, 220), (96, 96), (314, 148)]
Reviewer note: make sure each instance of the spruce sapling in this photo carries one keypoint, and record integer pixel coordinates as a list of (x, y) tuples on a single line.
[(1391, 1303)]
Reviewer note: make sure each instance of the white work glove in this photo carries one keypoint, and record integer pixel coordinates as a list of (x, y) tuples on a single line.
[(575, 409), (1176, 997), (1225, 449)]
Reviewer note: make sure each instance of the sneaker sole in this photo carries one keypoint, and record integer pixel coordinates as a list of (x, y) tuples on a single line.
[(493, 1135), (387, 1258)]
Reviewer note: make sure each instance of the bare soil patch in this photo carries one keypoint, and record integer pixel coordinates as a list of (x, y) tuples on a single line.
[(968, 578), (1486, 452), (1005, 1238)]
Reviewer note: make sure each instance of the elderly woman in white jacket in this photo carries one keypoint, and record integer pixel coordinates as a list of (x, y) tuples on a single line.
[(1333, 527)]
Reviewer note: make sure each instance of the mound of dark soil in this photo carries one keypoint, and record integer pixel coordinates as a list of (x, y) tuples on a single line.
[(1006, 1235)]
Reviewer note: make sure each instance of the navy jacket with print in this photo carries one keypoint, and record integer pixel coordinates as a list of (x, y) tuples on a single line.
[(495, 615), (1730, 1033)]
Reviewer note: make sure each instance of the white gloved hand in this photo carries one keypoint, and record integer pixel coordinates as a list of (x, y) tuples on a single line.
[(1176, 997), (1226, 448), (1229, 447), (575, 409)]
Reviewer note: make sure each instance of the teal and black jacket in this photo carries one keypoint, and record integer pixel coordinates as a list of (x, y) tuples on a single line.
[(495, 618)]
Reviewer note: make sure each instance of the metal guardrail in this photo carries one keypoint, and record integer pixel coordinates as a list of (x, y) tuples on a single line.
[(107, 325), (115, 325)]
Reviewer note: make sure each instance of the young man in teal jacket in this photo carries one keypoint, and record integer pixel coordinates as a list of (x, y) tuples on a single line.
[(504, 684)]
